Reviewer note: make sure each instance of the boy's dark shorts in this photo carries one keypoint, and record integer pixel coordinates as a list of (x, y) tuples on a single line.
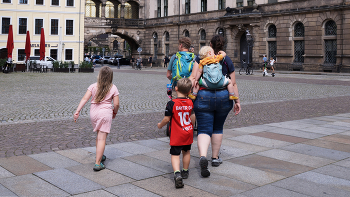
[(176, 150)]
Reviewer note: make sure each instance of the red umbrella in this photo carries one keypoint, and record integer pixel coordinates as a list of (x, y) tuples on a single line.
[(10, 45), (27, 47), (42, 44)]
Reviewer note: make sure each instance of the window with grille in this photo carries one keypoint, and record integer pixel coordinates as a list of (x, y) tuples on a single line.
[(221, 4), (39, 2), (272, 31), (23, 1), (55, 2), (203, 35), (21, 54), (187, 6), (6, 1), (54, 26), (69, 54), (299, 30), (127, 11), (53, 53), (331, 28), (203, 5), (159, 8), (22, 26), (167, 37), (165, 7), (115, 45), (330, 51), (239, 3), (167, 50), (38, 25), (69, 27), (90, 9), (5, 25), (272, 49), (251, 2), (109, 10), (187, 34), (70, 2), (36, 52), (299, 51)]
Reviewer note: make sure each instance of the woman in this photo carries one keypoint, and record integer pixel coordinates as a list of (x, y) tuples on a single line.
[(211, 108)]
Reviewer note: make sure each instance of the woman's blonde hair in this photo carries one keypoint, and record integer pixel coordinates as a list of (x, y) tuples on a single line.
[(104, 83), (203, 52)]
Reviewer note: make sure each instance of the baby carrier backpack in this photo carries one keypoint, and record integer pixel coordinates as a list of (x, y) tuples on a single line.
[(212, 73), (182, 66)]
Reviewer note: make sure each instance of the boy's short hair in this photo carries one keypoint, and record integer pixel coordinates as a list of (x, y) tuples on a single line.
[(186, 42), (204, 51), (184, 86)]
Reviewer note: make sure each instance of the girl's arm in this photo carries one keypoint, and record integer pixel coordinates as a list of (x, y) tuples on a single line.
[(116, 105), (237, 106), (81, 104), (165, 120)]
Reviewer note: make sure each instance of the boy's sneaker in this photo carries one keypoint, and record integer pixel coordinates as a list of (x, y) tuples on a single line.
[(185, 174), (99, 167), (216, 162), (203, 163), (178, 180)]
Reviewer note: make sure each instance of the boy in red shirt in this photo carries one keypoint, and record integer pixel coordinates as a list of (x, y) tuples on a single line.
[(178, 112)]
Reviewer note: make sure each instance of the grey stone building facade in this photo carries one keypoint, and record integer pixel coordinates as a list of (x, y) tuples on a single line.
[(308, 35)]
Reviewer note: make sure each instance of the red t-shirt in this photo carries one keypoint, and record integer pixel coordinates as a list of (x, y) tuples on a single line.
[(181, 129)]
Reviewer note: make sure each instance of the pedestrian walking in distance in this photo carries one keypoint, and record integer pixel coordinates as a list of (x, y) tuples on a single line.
[(101, 111)]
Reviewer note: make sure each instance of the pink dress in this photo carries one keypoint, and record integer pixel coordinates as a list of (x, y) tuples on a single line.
[(101, 113)]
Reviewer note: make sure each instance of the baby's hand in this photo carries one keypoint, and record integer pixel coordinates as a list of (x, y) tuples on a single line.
[(159, 126), (222, 53)]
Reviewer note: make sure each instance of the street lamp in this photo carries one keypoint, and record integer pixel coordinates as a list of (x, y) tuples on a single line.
[(250, 40)]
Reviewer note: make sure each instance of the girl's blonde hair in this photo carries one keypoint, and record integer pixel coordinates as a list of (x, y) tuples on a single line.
[(104, 83), (203, 52)]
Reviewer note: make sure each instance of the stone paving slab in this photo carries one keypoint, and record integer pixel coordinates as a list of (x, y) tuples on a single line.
[(260, 141), (163, 166), (22, 165), (317, 151), (95, 193), (281, 137), (310, 188), (30, 185), (106, 178), (329, 145), (133, 148), (272, 191), (139, 172), (4, 173), (297, 158), (129, 190), (152, 143), (344, 163), (246, 174), (244, 146), (6, 192), (325, 180), (334, 171), (271, 165), (322, 130), (344, 139), (54, 160), (296, 133), (68, 181), (79, 155)]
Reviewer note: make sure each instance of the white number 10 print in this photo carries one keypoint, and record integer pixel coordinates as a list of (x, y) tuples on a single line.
[(184, 118)]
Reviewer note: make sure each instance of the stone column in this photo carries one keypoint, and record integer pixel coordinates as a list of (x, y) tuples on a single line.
[(122, 6), (103, 10)]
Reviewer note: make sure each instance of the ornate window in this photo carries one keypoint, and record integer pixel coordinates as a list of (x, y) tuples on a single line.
[(90, 9), (155, 41), (203, 5), (272, 44), (187, 6), (250, 2), (299, 44), (127, 11), (221, 4), (330, 42), (239, 3), (38, 26), (109, 10), (167, 37)]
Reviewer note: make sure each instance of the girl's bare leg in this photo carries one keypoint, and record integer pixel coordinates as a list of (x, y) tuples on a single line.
[(100, 145)]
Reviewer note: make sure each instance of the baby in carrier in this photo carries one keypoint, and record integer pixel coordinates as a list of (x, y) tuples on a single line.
[(211, 68)]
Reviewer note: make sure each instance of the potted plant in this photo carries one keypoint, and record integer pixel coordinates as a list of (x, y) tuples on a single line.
[(63, 67), (72, 69), (2, 64), (86, 67)]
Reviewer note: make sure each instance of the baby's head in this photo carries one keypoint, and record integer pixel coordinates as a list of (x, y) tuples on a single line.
[(184, 86), (206, 51)]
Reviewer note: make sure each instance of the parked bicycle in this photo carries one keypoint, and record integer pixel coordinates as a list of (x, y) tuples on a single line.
[(245, 68)]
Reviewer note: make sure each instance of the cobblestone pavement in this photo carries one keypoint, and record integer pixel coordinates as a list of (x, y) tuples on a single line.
[(36, 108)]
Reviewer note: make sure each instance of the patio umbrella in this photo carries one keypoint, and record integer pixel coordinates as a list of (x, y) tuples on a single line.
[(42, 44), (27, 47), (10, 45)]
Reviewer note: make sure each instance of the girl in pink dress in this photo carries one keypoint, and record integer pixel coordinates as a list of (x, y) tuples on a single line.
[(101, 111)]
